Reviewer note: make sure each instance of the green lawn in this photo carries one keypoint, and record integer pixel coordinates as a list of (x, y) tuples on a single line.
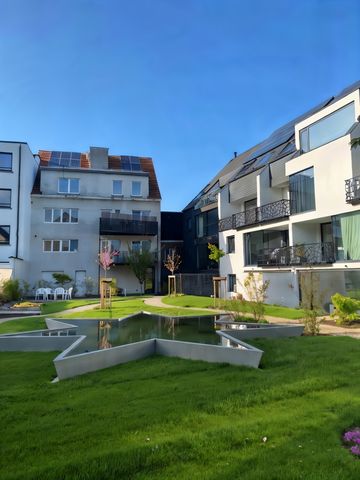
[(54, 307), (167, 418), (207, 302), (126, 306)]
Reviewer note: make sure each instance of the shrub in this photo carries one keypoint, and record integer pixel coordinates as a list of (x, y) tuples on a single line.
[(11, 290), (235, 306), (61, 278), (312, 322), (312, 298), (345, 309), (256, 292)]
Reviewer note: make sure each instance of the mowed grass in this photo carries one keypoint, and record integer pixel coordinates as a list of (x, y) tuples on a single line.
[(54, 307), (194, 301), (167, 418), (126, 306)]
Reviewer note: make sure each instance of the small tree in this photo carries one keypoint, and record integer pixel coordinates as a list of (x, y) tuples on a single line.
[(172, 263), (61, 279), (106, 259), (215, 252), (140, 261), (311, 301), (256, 293)]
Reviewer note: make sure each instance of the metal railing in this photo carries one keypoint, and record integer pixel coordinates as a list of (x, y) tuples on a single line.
[(122, 224), (265, 213), (304, 254), (123, 258), (352, 190)]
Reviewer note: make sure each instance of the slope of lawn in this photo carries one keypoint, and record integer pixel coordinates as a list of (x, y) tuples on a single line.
[(23, 325), (193, 301), (54, 307), (163, 418)]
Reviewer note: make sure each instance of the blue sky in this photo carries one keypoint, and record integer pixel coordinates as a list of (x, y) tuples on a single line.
[(186, 82)]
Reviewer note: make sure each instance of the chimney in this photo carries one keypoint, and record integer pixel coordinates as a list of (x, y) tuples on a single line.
[(99, 157), (235, 154)]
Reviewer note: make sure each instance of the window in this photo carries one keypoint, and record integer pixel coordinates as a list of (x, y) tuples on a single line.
[(346, 236), (69, 185), (263, 242), (230, 244), (136, 189), (117, 187), (302, 193), (140, 214), (60, 245), (141, 245), (5, 161), (327, 129), (207, 223), (61, 215), (5, 198), (232, 282), (4, 234)]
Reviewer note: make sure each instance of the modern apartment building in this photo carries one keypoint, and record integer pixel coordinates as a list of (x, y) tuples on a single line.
[(83, 202), (293, 205), (18, 167)]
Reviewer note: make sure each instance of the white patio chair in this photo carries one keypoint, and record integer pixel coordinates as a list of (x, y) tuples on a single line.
[(40, 293), (68, 293), (59, 292), (49, 293)]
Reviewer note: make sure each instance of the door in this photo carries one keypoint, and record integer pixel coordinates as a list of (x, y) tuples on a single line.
[(80, 276)]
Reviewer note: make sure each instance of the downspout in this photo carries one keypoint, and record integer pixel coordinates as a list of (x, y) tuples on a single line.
[(18, 206)]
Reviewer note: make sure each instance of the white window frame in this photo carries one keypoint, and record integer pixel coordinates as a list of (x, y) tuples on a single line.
[(120, 182), (71, 210), (133, 183), (61, 243), (68, 191)]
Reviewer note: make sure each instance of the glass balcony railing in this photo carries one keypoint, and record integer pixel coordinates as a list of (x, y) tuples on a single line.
[(122, 224)]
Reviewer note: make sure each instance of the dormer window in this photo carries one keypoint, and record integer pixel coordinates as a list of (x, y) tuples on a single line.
[(327, 129)]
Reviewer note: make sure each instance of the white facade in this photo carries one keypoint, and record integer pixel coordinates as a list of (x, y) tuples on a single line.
[(301, 207), (18, 167)]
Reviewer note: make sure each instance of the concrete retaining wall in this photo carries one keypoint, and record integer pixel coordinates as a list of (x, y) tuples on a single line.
[(67, 367), (34, 343), (274, 331), (248, 356)]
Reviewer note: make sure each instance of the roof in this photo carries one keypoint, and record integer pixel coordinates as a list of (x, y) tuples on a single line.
[(114, 163), (279, 144)]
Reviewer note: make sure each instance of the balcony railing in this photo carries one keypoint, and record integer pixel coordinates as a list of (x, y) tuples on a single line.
[(298, 255), (123, 258), (265, 213), (121, 224), (352, 190)]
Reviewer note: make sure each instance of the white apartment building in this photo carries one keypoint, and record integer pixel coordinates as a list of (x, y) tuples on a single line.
[(18, 167), (58, 210), (293, 205)]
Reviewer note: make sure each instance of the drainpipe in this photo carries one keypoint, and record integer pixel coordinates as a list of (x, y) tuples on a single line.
[(18, 207)]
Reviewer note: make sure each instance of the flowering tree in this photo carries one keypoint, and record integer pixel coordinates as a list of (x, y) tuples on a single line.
[(106, 258), (173, 262)]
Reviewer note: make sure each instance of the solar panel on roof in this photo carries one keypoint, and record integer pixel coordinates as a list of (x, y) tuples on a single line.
[(65, 159), (130, 163)]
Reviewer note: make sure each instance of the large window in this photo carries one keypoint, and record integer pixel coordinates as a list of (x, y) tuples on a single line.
[(207, 223), (302, 193), (5, 161), (327, 129), (4, 234), (69, 185), (61, 215), (60, 245), (117, 187), (136, 189), (5, 198), (346, 230), (258, 243), (140, 214)]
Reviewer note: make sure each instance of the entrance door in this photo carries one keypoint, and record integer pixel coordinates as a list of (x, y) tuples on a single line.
[(80, 276)]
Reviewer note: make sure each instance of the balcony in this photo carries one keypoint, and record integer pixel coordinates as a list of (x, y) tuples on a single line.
[(352, 190), (121, 224), (123, 258), (298, 255), (266, 213)]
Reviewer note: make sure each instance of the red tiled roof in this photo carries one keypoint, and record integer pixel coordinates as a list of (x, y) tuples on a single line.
[(113, 164)]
